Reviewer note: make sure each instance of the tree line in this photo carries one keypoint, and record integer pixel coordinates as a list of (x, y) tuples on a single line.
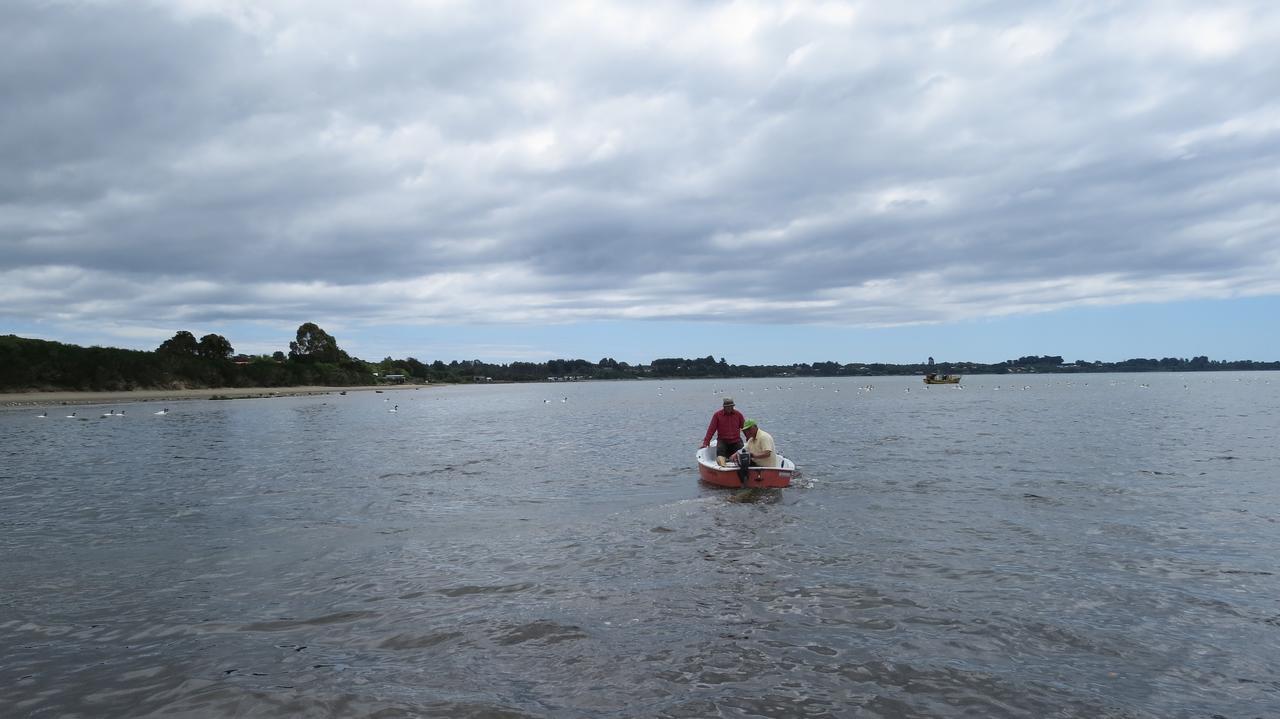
[(180, 362), (314, 358)]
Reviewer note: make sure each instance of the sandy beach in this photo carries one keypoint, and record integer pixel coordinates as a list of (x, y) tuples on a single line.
[(39, 399)]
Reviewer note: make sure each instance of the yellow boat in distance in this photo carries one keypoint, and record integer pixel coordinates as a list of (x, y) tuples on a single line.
[(932, 378)]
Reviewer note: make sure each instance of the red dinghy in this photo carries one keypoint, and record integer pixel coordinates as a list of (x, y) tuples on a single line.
[(727, 476)]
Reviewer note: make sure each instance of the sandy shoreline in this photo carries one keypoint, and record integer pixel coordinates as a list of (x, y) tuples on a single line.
[(39, 399)]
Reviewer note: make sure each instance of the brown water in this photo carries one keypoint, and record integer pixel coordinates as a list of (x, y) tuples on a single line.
[(1096, 545)]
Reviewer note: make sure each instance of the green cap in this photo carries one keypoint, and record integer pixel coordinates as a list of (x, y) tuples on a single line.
[(748, 425)]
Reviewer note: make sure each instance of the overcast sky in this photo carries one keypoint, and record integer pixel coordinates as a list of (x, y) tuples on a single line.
[(762, 181)]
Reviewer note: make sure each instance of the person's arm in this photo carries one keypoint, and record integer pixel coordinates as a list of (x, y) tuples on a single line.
[(711, 429)]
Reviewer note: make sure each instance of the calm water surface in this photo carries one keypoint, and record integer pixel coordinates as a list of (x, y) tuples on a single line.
[(1037, 546)]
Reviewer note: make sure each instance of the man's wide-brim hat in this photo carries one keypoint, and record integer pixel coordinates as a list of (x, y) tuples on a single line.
[(728, 401)]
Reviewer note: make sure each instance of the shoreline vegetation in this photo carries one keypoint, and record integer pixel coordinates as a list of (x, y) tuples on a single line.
[(35, 371), (53, 399)]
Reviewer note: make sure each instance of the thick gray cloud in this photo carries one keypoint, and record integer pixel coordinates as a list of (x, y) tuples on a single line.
[(853, 163)]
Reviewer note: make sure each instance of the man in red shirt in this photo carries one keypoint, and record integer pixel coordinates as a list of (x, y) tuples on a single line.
[(727, 425)]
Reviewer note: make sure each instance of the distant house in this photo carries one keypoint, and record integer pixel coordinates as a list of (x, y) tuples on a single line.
[(396, 378)]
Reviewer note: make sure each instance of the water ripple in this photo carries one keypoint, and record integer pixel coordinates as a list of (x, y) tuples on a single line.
[(1072, 551)]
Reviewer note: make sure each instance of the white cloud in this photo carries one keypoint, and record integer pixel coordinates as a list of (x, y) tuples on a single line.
[(429, 162)]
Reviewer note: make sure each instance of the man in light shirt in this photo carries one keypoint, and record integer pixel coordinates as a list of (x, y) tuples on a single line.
[(759, 444), (759, 447)]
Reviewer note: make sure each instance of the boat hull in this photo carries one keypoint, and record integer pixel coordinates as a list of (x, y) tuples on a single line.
[(766, 477), (945, 379)]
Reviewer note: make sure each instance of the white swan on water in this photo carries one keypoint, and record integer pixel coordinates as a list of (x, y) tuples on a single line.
[(163, 411), (394, 409)]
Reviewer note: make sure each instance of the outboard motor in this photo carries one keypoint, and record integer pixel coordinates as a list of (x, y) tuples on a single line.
[(744, 461)]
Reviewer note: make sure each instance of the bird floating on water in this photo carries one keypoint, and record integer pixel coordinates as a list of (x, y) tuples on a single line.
[(163, 411), (394, 409)]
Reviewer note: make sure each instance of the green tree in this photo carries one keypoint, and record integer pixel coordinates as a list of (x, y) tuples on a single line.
[(215, 347), (182, 343), (416, 368), (314, 345)]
